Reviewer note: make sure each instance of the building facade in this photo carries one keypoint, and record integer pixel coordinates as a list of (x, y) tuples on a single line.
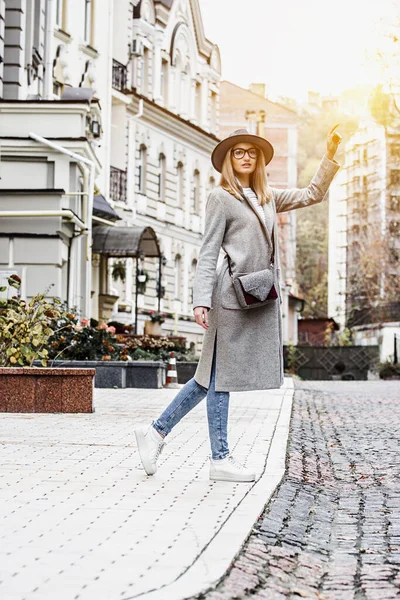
[(364, 233), (108, 115), (251, 109)]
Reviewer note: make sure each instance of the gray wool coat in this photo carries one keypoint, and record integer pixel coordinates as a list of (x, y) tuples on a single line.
[(248, 341)]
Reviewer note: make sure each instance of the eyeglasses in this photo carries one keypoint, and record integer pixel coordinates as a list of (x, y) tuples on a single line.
[(240, 152)]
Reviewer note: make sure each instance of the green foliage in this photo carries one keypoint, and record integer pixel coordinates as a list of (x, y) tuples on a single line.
[(119, 271), (157, 317), (344, 338), (157, 348), (388, 369), (380, 105), (291, 358), (79, 341), (25, 329)]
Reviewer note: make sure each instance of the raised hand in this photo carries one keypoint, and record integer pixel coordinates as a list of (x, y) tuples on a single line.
[(332, 142)]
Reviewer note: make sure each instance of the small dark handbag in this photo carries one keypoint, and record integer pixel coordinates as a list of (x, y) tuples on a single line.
[(257, 288)]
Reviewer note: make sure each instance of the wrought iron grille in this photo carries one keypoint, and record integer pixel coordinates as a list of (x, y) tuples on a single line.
[(117, 184), (119, 76)]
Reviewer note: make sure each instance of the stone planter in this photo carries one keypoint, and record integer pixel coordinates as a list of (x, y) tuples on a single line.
[(46, 390), (185, 371), (145, 374), (121, 374)]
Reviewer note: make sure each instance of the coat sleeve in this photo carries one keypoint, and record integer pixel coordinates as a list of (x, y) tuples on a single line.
[(297, 198), (214, 231)]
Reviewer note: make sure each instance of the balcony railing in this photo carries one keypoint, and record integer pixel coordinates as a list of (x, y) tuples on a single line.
[(117, 184), (119, 76)]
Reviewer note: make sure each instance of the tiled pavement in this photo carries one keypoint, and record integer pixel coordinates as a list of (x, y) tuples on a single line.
[(332, 529), (81, 521)]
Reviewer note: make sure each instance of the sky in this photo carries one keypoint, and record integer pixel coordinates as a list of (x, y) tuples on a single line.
[(297, 45)]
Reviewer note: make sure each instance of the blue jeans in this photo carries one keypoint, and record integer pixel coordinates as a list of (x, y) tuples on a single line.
[(217, 412)]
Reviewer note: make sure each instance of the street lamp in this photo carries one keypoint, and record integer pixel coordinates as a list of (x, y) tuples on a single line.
[(160, 289), (139, 257)]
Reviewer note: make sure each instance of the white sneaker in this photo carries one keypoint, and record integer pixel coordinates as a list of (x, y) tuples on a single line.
[(228, 469), (150, 445)]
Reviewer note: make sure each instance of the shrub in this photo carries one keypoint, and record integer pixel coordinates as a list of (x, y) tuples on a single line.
[(155, 348), (77, 340), (25, 329), (388, 369)]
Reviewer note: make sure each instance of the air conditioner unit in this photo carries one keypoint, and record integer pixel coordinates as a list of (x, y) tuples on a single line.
[(136, 48)]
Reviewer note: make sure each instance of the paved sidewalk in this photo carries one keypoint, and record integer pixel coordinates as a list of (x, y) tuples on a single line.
[(332, 529), (80, 520)]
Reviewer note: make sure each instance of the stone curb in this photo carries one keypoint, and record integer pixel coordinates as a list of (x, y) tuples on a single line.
[(211, 565)]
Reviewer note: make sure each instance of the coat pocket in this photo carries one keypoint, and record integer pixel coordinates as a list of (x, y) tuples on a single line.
[(228, 294)]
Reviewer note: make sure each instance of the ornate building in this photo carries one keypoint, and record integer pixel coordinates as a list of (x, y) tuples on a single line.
[(364, 238), (108, 115)]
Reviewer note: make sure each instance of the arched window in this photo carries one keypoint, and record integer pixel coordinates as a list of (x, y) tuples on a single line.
[(196, 192), (180, 185), (178, 277), (142, 169), (211, 184), (162, 171)]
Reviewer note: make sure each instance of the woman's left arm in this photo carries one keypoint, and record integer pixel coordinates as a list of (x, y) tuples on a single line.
[(315, 192)]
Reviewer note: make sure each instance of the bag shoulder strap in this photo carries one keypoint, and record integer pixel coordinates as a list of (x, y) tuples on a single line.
[(272, 256)]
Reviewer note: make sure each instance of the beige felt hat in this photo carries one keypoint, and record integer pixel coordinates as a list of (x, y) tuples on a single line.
[(240, 135)]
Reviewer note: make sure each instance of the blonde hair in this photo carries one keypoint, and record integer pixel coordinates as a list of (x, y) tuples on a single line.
[(258, 179)]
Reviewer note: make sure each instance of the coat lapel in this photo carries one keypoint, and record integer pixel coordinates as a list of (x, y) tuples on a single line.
[(253, 208)]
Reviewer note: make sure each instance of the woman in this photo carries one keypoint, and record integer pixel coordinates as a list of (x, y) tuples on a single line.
[(247, 353)]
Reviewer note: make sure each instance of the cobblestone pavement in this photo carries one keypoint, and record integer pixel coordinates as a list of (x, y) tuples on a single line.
[(332, 529)]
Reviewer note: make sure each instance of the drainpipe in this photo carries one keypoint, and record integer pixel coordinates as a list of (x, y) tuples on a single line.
[(48, 50), (87, 165)]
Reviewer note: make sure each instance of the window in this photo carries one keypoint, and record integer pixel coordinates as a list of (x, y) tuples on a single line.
[(162, 164), (164, 81), (59, 13), (178, 277), (180, 183), (88, 20), (198, 102), (214, 111), (211, 184), (145, 71), (196, 192), (142, 169), (395, 176), (37, 27), (394, 228), (395, 203)]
